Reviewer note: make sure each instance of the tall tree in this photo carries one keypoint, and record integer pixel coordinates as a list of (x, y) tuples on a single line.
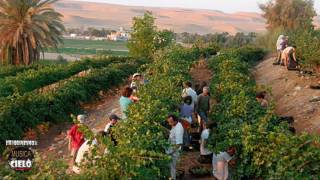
[(141, 43), (164, 38), (289, 14), (26, 27)]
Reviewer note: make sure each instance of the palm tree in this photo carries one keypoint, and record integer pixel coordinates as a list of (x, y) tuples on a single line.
[(26, 27)]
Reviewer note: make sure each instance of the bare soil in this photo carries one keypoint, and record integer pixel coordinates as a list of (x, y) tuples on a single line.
[(54, 144), (291, 94), (200, 72)]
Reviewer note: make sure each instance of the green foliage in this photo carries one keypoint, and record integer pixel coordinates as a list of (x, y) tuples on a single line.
[(26, 27), (36, 78), (26, 111), (93, 44), (10, 70), (265, 149), (141, 43), (164, 38), (308, 47), (142, 138), (89, 51), (289, 14), (224, 39), (268, 40)]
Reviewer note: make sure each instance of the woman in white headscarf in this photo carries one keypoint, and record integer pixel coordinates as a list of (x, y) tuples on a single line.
[(279, 45)]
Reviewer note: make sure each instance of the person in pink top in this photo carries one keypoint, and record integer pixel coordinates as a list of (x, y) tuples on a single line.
[(76, 138)]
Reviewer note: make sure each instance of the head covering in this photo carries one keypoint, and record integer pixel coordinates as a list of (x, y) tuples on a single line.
[(81, 118), (281, 37), (114, 116), (280, 40), (136, 74)]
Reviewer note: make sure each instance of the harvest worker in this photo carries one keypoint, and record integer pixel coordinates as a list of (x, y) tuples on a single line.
[(125, 101), (137, 81), (113, 120), (289, 57), (186, 111), (76, 138), (261, 98), (176, 141), (221, 163), (203, 106), (188, 91), (205, 153), (85, 149), (281, 45), (200, 87)]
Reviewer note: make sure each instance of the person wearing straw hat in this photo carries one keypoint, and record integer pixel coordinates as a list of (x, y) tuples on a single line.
[(137, 81)]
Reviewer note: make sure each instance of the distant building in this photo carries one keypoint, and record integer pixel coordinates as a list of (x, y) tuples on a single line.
[(120, 35), (73, 36)]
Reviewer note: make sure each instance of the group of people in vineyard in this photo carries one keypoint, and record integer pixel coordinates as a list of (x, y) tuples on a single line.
[(79, 145), (194, 109), (286, 54)]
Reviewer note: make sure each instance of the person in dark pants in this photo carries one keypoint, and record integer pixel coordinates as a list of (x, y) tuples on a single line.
[(203, 107)]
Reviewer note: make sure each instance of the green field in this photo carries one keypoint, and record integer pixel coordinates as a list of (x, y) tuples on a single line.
[(91, 47), (91, 44)]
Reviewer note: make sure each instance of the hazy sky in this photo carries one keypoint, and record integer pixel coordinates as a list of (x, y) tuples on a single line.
[(222, 5)]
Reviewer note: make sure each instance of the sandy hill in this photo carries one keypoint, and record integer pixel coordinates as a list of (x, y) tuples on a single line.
[(77, 14), (292, 95), (86, 14)]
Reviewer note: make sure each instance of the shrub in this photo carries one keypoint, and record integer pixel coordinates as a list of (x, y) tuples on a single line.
[(265, 149), (26, 111), (36, 78)]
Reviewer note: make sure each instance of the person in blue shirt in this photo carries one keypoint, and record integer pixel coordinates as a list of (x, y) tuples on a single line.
[(125, 101)]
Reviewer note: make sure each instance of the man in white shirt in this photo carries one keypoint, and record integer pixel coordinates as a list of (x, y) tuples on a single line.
[(176, 142), (220, 163), (188, 91), (205, 153)]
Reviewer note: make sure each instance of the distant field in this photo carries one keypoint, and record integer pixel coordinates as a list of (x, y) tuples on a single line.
[(91, 44), (91, 47)]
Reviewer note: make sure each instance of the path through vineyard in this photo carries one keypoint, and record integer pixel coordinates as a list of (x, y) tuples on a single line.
[(292, 94), (54, 144), (199, 73)]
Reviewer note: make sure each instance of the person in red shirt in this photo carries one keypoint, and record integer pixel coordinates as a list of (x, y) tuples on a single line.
[(76, 138)]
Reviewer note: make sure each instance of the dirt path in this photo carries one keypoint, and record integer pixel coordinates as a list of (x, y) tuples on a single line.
[(292, 94), (54, 144), (199, 73)]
